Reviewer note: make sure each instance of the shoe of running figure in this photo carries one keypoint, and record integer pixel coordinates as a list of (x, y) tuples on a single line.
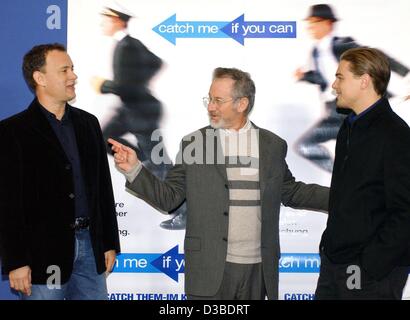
[(176, 223)]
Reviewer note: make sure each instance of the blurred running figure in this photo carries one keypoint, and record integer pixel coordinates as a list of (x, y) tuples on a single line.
[(134, 65), (323, 62)]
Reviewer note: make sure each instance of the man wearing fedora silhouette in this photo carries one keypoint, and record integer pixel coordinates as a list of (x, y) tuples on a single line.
[(134, 66), (321, 68)]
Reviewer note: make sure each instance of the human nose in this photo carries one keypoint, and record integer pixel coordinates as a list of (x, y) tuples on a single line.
[(212, 106), (73, 75)]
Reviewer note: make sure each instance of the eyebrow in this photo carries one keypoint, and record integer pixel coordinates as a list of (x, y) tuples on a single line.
[(67, 67)]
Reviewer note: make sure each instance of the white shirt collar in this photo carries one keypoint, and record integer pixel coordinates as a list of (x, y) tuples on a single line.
[(119, 35), (245, 128), (325, 43)]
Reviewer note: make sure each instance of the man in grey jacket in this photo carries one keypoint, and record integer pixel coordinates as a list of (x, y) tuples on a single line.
[(234, 177)]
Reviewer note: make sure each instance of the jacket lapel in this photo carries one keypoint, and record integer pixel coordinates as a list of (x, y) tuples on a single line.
[(43, 128), (80, 129), (266, 150), (84, 145), (219, 158), (212, 144)]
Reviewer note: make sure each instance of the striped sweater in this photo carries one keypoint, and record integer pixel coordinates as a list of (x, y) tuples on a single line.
[(241, 153)]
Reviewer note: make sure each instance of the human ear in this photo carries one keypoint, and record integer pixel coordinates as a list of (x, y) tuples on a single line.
[(39, 78), (365, 81), (243, 104)]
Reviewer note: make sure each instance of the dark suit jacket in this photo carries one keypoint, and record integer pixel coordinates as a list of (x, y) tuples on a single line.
[(134, 66), (369, 207), (36, 194), (206, 190)]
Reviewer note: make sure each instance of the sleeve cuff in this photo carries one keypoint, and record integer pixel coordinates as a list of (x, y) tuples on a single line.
[(131, 175)]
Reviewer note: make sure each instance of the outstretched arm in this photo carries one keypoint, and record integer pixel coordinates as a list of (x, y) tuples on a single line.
[(165, 195)]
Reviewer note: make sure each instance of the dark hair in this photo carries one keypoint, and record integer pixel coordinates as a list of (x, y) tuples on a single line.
[(372, 62), (244, 85), (35, 60)]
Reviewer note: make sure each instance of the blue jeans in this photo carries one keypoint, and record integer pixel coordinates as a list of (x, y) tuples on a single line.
[(84, 284)]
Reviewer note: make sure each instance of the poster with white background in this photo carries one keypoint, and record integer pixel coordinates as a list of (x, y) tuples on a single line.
[(266, 38), (185, 35)]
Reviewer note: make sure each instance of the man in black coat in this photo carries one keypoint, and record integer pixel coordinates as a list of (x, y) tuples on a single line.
[(365, 247), (58, 227), (134, 66), (323, 61)]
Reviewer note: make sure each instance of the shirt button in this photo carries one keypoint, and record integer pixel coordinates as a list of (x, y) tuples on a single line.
[(71, 196), (225, 213), (224, 239)]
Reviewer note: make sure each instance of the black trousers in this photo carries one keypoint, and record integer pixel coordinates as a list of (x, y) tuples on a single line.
[(126, 121), (327, 128), (335, 283)]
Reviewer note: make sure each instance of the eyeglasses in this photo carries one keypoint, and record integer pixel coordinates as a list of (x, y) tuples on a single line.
[(218, 101)]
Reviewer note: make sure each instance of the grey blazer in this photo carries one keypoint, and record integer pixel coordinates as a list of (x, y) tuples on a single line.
[(206, 191)]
